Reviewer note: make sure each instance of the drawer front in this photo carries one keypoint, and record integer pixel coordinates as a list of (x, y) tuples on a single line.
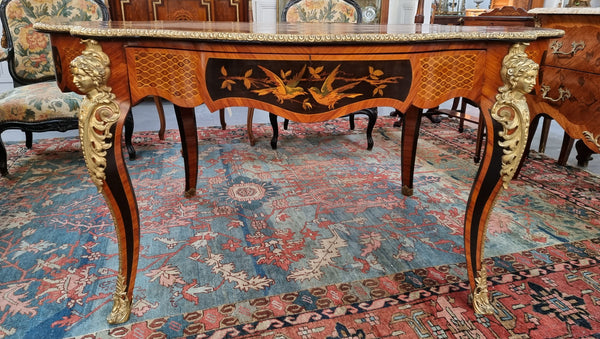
[(578, 49), (303, 84), (575, 94)]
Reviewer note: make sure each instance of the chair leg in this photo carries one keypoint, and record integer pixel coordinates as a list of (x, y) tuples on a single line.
[(565, 149), (249, 120), (128, 136), (29, 139), (400, 115), (222, 119), (533, 124), (370, 112), (161, 118), (462, 113), (544, 134), (432, 116), (584, 153), (275, 126), (249, 126), (3, 159), (372, 120)]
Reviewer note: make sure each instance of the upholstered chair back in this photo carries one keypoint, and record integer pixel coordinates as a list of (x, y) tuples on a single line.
[(322, 11), (28, 52)]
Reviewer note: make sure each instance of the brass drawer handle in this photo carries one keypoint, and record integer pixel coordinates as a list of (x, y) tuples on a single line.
[(563, 94), (575, 47)]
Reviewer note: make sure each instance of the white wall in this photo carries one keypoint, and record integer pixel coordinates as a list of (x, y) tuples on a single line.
[(6, 82), (264, 12), (402, 11)]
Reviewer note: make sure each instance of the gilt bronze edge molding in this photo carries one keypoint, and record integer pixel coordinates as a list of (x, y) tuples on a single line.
[(88, 32), (50, 27)]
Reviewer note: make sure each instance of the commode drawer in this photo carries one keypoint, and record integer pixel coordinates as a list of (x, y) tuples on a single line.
[(575, 94), (578, 49)]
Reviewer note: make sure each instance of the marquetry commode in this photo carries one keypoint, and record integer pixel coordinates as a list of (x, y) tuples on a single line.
[(569, 77)]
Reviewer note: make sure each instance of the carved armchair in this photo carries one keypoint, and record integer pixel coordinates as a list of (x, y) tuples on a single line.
[(347, 11), (36, 104)]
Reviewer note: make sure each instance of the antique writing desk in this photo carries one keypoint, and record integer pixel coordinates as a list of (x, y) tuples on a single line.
[(408, 67)]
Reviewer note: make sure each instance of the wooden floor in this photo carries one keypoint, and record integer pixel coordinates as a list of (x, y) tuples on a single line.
[(145, 118)]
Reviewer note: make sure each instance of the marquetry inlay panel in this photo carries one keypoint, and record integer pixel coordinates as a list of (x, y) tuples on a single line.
[(445, 73), (305, 86), (168, 71)]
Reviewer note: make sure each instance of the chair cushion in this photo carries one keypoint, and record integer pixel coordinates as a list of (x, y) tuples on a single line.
[(38, 102), (322, 11)]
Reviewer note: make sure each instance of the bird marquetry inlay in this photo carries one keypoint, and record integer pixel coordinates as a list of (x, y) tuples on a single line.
[(308, 87)]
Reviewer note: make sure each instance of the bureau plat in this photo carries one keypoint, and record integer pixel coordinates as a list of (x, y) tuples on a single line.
[(411, 68)]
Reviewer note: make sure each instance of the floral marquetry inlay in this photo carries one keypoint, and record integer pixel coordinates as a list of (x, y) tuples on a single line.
[(308, 87)]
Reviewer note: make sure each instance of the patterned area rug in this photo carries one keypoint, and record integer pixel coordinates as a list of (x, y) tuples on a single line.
[(313, 240)]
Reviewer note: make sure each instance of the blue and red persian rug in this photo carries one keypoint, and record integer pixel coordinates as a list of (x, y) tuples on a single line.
[(313, 240)]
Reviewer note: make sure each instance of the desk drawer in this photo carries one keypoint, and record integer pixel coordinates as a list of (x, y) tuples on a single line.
[(303, 82), (578, 49), (575, 94)]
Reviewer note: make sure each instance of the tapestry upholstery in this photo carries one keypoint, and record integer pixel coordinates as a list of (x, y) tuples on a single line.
[(322, 11), (32, 59), (48, 103)]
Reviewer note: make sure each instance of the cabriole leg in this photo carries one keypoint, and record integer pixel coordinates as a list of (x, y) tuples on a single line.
[(505, 147)]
